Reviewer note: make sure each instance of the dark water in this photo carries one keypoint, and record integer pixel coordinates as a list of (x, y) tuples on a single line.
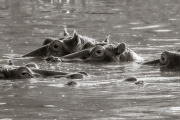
[(149, 27)]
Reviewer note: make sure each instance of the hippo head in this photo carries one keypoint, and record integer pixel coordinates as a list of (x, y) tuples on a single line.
[(63, 46), (16, 73), (106, 53), (168, 60)]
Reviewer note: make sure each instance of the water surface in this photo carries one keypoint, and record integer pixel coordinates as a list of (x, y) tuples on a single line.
[(147, 27)]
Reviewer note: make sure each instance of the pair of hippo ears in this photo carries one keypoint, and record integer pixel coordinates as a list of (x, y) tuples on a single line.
[(76, 36), (66, 34)]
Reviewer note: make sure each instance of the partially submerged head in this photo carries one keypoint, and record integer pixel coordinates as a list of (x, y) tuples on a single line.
[(167, 60), (170, 60), (60, 47), (16, 73), (31, 70), (106, 53)]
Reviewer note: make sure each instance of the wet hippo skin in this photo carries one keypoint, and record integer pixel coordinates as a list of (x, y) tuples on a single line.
[(31, 70), (101, 53), (167, 60), (63, 46)]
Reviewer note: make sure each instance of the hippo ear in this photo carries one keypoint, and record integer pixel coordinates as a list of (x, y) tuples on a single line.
[(47, 41), (65, 32), (76, 38), (107, 39), (120, 48), (32, 65)]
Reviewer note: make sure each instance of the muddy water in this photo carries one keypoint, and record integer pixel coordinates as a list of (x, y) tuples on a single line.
[(148, 27)]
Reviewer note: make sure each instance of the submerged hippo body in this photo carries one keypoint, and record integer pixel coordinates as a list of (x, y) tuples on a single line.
[(103, 53), (31, 70), (168, 60), (63, 46)]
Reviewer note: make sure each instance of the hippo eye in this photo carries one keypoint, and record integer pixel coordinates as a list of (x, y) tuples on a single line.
[(163, 58), (99, 53), (24, 72), (56, 45)]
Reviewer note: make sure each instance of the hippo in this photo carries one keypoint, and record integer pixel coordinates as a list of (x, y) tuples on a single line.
[(64, 46), (101, 53), (31, 70), (167, 60)]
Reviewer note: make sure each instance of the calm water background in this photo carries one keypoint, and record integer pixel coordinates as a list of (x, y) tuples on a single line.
[(149, 27)]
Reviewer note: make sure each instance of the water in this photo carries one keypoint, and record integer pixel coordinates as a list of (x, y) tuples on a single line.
[(148, 27)]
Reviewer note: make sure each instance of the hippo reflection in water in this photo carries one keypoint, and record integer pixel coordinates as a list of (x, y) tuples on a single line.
[(31, 70), (101, 53), (63, 46), (168, 60)]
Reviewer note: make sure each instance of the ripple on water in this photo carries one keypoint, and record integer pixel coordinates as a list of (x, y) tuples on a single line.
[(50, 106), (2, 103), (162, 31), (162, 39), (6, 119), (147, 27), (12, 56), (56, 85), (175, 109), (136, 23)]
